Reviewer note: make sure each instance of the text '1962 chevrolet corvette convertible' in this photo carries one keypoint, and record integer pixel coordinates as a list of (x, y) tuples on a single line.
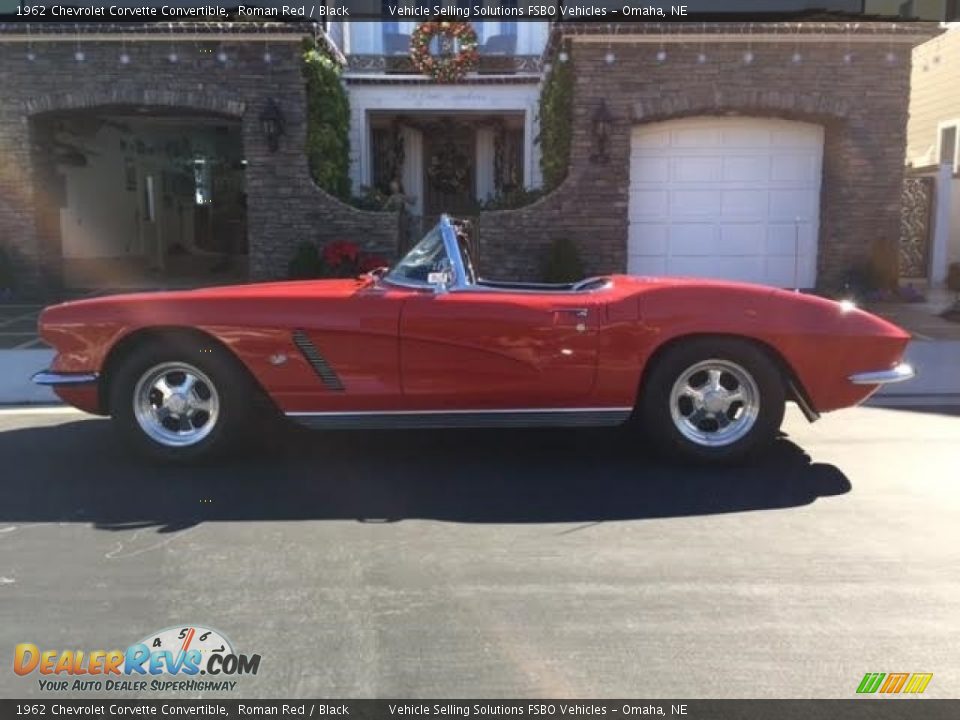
[(702, 367)]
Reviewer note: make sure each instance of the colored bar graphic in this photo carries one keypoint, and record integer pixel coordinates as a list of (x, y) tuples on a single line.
[(918, 682), (870, 682), (895, 683)]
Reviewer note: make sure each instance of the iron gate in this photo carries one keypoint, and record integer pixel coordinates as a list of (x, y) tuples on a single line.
[(916, 210)]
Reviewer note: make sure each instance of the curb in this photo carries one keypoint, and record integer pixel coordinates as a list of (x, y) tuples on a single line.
[(16, 369)]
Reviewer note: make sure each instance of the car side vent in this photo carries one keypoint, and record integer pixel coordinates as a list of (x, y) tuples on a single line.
[(319, 364)]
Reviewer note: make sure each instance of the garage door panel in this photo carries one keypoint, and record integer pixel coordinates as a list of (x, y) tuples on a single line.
[(780, 270), (649, 204), (801, 169), (696, 137), (648, 238), (722, 196), (648, 265), (743, 204), (742, 239), (692, 238), (696, 169), (653, 139), (791, 205), (745, 168), (745, 269), (750, 137), (783, 239), (694, 204), (652, 170), (797, 135)]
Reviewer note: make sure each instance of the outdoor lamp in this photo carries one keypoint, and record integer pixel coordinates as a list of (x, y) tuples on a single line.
[(272, 124), (602, 122)]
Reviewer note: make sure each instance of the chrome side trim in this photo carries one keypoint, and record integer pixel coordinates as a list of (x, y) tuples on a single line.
[(45, 377), (901, 372), (427, 419)]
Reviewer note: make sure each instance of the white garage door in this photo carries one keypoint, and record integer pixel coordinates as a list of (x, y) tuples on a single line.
[(726, 197)]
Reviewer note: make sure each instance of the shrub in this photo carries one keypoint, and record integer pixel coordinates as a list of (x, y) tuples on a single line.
[(372, 200), (305, 263), (562, 263), (328, 121), (556, 124), (339, 259)]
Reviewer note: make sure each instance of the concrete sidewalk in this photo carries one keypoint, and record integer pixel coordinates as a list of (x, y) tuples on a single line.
[(937, 382)]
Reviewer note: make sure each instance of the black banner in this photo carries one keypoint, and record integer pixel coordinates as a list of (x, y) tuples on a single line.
[(873, 708), (112, 11)]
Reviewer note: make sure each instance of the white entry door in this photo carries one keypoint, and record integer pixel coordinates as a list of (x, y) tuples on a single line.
[(736, 198)]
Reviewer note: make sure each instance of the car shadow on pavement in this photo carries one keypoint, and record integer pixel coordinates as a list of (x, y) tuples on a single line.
[(75, 472)]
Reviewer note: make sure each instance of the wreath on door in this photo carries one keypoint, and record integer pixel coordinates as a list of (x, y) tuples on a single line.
[(444, 68)]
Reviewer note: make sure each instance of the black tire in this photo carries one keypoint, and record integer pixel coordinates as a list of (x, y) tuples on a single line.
[(233, 389), (656, 401)]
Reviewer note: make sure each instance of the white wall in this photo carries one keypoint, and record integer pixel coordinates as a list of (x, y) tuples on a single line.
[(491, 99), (953, 251), (99, 219)]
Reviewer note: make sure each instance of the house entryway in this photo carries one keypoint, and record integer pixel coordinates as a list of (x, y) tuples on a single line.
[(140, 197), (451, 163)]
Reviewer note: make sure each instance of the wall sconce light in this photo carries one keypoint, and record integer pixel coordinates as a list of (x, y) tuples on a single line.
[(602, 125), (272, 124)]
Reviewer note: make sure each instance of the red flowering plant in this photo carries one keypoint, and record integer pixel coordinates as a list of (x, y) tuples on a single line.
[(447, 69), (338, 259)]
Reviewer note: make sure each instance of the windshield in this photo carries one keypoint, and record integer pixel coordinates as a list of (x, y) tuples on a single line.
[(427, 256)]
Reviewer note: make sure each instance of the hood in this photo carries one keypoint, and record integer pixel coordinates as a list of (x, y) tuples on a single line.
[(333, 288)]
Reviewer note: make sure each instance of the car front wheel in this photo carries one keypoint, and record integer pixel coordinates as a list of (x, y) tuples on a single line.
[(178, 403), (713, 400)]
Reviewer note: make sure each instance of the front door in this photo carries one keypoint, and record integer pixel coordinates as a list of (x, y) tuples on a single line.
[(448, 168), (490, 350)]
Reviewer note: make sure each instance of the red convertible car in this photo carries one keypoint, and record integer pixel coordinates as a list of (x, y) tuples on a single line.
[(704, 367)]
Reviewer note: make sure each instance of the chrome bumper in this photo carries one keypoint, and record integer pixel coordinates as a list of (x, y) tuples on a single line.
[(45, 377), (883, 377)]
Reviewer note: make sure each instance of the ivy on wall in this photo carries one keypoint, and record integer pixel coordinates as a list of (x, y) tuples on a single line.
[(328, 121), (556, 124)]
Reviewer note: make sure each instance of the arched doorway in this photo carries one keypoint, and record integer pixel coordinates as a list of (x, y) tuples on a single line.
[(134, 195)]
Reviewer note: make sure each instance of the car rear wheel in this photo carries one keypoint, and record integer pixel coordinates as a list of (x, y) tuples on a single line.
[(179, 403), (713, 400)]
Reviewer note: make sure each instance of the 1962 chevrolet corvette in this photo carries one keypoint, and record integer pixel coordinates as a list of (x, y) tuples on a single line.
[(704, 367)]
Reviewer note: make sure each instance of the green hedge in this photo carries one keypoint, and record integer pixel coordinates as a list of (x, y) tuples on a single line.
[(556, 124), (328, 121)]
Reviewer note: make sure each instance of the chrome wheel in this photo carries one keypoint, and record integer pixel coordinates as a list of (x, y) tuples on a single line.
[(175, 404), (714, 403)]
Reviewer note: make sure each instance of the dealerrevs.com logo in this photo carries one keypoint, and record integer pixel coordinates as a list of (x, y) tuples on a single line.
[(172, 659)]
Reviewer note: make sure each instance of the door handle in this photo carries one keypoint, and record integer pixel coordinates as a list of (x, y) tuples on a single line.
[(578, 312)]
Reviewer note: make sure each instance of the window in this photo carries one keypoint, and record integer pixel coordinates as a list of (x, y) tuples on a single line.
[(149, 201), (202, 182), (948, 145)]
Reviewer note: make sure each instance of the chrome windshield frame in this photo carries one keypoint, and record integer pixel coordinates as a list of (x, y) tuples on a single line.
[(448, 235)]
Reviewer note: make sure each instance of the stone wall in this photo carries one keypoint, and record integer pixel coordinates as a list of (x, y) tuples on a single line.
[(284, 204), (862, 105)]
